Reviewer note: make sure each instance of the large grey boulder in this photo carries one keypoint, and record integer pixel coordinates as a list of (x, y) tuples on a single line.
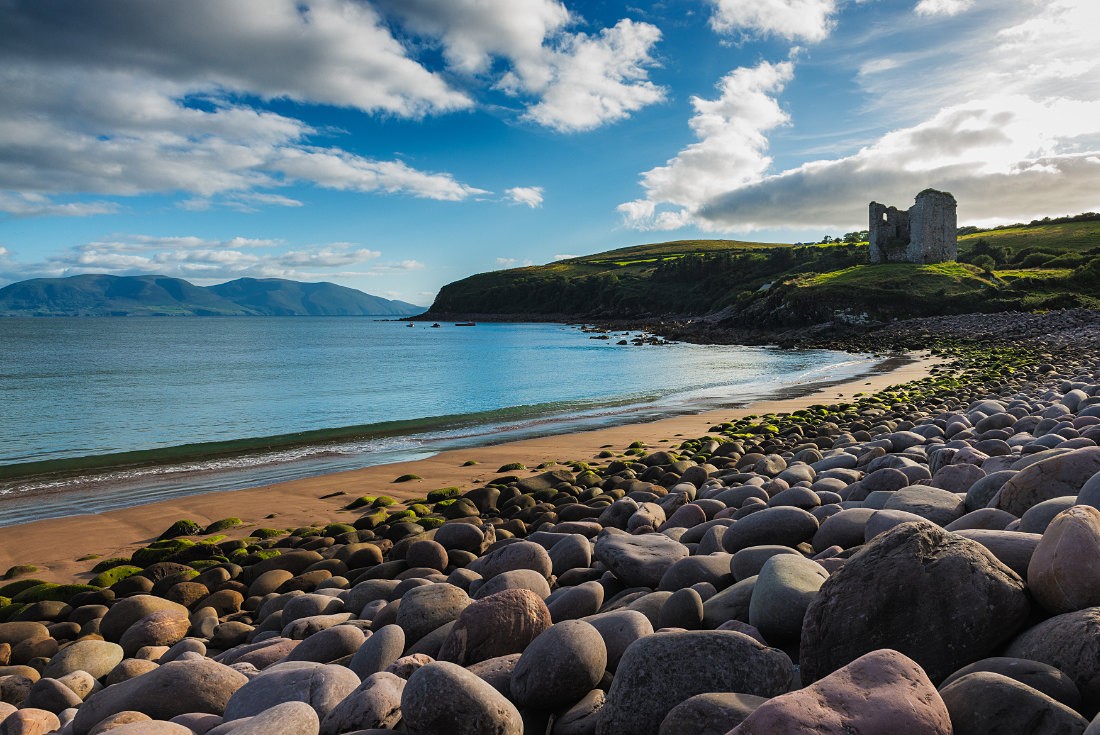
[(321, 686), (442, 697), (639, 561)]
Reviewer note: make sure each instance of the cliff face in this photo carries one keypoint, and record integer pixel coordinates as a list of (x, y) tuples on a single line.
[(103, 295)]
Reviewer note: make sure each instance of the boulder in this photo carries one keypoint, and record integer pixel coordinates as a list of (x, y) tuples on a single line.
[(938, 506), (560, 666), (784, 589), (639, 561), (379, 651), (129, 610), (1064, 572), (376, 703), (321, 686), (782, 525), (1069, 642), (659, 672), (425, 608), (879, 693), (1057, 476), (1047, 679), (985, 702), (98, 658), (934, 596), (443, 697), (495, 626), (286, 718), (715, 713)]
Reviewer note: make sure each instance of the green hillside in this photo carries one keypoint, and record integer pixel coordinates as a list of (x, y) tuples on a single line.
[(1048, 264)]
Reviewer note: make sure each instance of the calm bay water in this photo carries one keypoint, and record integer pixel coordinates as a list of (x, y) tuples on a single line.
[(372, 391)]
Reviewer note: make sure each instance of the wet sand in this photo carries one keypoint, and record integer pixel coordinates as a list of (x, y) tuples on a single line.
[(55, 545)]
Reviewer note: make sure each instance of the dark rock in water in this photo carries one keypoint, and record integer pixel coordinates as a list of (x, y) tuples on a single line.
[(659, 672), (1047, 679), (1070, 643), (560, 666), (985, 702), (1064, 573), (445, 698), (783, 525), (497, 625), (936, 597), (880, 693), (1064, 474), (709, 714), (639, 561)]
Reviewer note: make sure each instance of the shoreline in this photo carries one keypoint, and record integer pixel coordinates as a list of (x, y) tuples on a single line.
[(298, 502)]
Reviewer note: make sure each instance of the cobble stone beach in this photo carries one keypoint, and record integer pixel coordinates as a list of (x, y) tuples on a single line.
[(921, 557)]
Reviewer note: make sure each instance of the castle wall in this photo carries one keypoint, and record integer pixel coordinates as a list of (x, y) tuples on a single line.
[(889, 228), (925, 233)]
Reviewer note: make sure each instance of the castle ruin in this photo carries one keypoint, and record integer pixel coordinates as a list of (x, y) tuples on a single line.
[(925, 233)]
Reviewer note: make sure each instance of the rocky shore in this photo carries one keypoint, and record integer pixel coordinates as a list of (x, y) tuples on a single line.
[(922, 560)]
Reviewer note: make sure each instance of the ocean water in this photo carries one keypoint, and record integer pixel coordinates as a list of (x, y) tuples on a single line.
[(102, 412)]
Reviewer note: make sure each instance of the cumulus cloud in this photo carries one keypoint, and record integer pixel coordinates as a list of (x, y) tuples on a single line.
[(528, 195), (136, 97), (794, 20), (731, 149), (202, 260), (512, 263), (942, 7), (1018, 136), (570, 80), (565, 256)]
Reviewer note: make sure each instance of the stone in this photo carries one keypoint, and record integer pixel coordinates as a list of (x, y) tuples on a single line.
[(957, 478), (1061, 475), (376, 703), (98, 658), (986, 702), (982, 491), (285, 718), (660, 671), (174, 689), (1070, 643), (443, 697), (749, 561), (784, 590), (844, 529), (934, 596), (30, 721), (783, 526), (559, 666), (426, 553), (879, 693), (1064, 572), (519, 555), (1047, 679), (424, 609), (984, 519), (713, 568), (580, 719), (526, 579), (572, 603), (938, 506), (715, 713), (378, 651), (619, 629), (497, 672), (572, 552), (1012, 548), (120, 719), (329, 645), (497, 625), (129, 610), (406, 666), (152, 727), (161, 628), (51, 695), (731, 603), (321, 686), (128, 669), (684, 609), (639, 561)]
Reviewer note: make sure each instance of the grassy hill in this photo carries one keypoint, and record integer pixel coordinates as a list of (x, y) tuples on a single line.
[(1049, 264), (105, 295)]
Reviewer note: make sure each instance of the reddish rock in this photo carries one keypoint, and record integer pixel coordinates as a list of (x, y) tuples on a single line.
[(497, 625), (1064, 573), (880, 693)]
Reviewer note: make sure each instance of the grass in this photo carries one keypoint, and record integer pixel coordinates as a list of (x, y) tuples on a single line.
[(1069, 236)]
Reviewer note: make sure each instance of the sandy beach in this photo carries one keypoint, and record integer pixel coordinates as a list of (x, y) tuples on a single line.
[(55, 545)]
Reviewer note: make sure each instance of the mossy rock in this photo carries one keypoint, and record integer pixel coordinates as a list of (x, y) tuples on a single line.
[(469, 463), (335, 529), (361, 502), (232, 545), (444, 503), (401, 515), (214, 539), (420, 509), (89, 557), (50, 591), (201, 564), (116, 561), (19, 570), (443, 493), (304, 531), (605, 454), (267, 532), (182, 527), (222, 525), (114, 574), (369, 521), (256, 557), (194, 552), (160, 551), (414, 501), (14, 588), (5, 601), (429, 522), (512, 467), (408, 478), (383, 501), (10, 612)]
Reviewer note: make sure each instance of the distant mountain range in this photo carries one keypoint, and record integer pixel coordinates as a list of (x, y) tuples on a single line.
[(102, 295)]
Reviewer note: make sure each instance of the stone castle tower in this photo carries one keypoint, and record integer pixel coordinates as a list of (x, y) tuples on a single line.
[(925, 233)]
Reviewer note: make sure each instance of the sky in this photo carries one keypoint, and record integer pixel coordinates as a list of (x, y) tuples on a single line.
[(397, 145)]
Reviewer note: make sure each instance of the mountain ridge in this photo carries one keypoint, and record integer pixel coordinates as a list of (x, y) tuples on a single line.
[(93, 294)]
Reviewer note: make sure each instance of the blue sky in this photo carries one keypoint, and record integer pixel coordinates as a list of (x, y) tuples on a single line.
[(398, 145)]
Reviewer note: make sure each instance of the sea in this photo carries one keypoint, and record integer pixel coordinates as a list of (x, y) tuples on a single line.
[(100, 413)]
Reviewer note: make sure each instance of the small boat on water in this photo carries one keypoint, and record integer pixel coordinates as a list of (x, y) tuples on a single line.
[(436, 325), (465, 324), (409, 325)]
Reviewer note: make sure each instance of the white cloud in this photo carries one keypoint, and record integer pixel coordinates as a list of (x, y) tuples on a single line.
[(1010, 125), (201, 260), (731, 148), (29, 204), (528, 195), (335, 169), (565, 256), (513, 263), (942, 7), (805, 20), (570, 81)]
